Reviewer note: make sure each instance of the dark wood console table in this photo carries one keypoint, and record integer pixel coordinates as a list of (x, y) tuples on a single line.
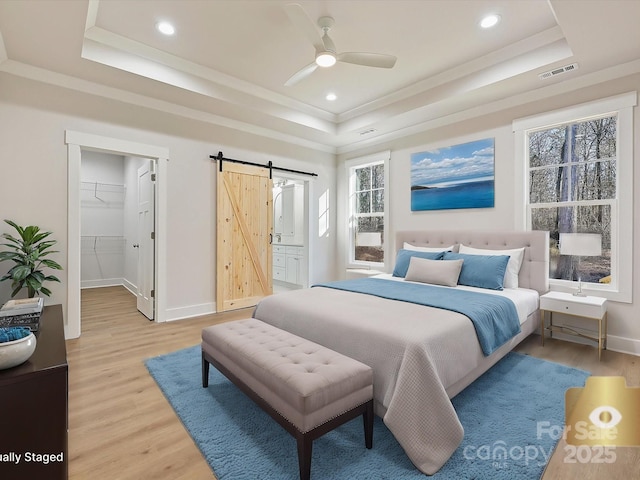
[(34, 409)]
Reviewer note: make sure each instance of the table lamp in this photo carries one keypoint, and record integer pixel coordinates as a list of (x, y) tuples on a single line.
[(580, 245), (368, 239)]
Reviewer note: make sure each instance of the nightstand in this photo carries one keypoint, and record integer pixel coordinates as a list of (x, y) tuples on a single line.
[(593, 308)]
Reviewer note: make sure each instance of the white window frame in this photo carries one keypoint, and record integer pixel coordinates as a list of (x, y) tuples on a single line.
[(622, 211), (350, 166)]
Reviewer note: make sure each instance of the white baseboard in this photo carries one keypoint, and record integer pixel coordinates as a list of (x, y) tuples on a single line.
[(110, 282), (130, 286), (614, 343), (190, 311), (623, 345), (172, 314), (105, 282)]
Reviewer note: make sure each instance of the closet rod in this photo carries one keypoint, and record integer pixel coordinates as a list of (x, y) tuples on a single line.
[(104, 183), (269, 165)]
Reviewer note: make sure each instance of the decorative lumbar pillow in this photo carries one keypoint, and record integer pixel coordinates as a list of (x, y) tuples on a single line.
[(436, 272), (415, 248), (404, 257), (516, 255), (483, 271)]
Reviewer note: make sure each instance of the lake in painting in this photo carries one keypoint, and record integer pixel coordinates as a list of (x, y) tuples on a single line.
[(477, 194), (460, 176)]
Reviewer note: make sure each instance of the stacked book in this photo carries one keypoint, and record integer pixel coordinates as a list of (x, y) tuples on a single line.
[(22, 313)]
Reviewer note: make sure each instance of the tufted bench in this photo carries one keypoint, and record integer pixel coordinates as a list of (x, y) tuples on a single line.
[(307, 388)]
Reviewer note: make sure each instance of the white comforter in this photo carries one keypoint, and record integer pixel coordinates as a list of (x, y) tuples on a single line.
[(416, 353)]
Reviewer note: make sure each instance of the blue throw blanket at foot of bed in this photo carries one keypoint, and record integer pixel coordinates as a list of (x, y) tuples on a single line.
[(494, 318)]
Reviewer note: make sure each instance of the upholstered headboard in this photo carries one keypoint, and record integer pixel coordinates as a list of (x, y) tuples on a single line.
[(534, 272)]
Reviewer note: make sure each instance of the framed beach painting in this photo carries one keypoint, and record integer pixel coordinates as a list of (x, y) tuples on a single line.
[(459, 176)]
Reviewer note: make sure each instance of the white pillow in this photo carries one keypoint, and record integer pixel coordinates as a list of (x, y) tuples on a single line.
[(408, 246), (436, 272), (516, 256)]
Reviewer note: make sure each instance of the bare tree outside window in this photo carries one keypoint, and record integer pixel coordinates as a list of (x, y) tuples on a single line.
[(368, 197), (572, 189)]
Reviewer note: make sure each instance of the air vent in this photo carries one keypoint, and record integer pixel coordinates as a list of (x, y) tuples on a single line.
[(367, 132), (558, 71)]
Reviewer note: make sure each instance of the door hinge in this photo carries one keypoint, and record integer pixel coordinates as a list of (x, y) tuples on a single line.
[(153, 293), (153, 177), (153, 235)]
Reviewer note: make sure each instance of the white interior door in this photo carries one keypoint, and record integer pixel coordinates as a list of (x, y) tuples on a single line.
[(146, 242)]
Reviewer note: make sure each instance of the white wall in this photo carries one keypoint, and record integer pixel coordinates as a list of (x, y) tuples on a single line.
[(33, 155), (102, 196), (501, 217), (34, 117), (624, 318)]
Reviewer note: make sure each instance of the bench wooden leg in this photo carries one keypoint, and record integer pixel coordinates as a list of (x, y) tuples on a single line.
[(305, 445), (205, 372), (367, 417)]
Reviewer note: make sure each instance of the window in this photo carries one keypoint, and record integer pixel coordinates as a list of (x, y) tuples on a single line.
[(578, 177), (367, 181), (572, 189)]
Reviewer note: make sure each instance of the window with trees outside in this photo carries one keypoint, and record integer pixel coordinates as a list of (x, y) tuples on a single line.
[(577, 174), (367, 210), (572, 189)]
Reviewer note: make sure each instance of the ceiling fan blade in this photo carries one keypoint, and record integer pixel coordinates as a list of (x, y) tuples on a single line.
[(378, 60), (303, 22), (329, 46), (301, 74)]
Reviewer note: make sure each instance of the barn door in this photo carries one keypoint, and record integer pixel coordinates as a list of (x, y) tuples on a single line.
[(244, 224)]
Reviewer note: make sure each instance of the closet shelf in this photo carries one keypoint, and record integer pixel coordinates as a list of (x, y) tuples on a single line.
[(102, 236), (104, 241), (110, 187), (104, 191)]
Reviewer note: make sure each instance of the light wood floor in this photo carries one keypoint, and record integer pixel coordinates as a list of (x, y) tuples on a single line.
[(121, 426), (585, 357)]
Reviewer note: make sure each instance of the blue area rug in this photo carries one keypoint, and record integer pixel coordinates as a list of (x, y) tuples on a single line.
[(511, 416)]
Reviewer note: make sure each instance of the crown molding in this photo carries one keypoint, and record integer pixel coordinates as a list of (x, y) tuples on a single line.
[(73, 83), (561, 88), (426, 116)]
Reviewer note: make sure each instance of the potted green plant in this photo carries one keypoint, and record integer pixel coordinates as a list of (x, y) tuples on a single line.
[(28, 252)]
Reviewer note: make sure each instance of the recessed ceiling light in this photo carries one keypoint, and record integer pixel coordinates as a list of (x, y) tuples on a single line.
[(165, 28), (490, 20), (331, 97)]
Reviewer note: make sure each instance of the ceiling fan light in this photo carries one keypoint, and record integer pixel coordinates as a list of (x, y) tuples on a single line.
[(325, 59)]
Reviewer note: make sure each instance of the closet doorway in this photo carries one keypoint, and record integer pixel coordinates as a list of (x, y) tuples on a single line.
[(78, 143), (290, 232), (117, 203)]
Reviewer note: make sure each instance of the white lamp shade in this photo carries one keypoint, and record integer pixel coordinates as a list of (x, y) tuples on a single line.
[(368, 239), (581, 244)]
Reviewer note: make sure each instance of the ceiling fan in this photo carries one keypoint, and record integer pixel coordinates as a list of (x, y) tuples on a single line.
[(326, 53)]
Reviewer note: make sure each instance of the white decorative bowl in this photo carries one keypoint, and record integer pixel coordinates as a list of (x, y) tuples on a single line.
[(17, 351)]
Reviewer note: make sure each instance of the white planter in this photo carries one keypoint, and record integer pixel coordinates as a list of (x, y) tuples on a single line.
[(16, 352)]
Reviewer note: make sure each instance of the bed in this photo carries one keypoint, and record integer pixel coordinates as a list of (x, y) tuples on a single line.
[(421, 355)]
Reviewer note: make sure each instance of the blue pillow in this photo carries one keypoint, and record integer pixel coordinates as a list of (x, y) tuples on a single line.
[(404, 257), (483, 271)]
